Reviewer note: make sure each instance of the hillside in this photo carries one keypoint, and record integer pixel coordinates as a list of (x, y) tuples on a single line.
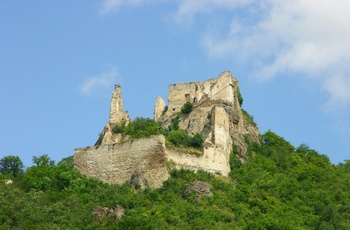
[(279, 187)]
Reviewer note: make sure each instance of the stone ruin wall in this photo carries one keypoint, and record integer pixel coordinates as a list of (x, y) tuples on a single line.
[(216, 152), (180, 93), (117, 163)]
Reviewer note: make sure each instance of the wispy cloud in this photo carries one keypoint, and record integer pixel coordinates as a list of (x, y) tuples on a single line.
[(309, 39), (110, 6), (102, 80), (189, 8), (305, 38)]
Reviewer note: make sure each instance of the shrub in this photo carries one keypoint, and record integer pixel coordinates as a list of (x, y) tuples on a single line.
[(119, 127), (175, 123), (235, 162), (142, 127), (187, 108), (239, 97), (179, 137), (197, 141)]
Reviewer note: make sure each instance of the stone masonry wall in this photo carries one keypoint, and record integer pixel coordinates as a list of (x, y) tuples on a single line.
[(181, 93), (116, 163)]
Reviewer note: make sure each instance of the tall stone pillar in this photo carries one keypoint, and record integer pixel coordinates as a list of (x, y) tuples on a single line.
[(117, 112)]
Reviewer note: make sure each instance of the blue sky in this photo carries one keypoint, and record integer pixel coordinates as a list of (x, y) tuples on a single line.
[(59, 61)]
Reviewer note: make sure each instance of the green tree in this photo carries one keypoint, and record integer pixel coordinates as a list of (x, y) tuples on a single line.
[(69, 161), (43, 160), (11, 165), (187, 108)]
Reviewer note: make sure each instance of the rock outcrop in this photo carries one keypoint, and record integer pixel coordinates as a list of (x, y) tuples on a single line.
[(216, 114), (101, 213), (116, 115), (200, 188)]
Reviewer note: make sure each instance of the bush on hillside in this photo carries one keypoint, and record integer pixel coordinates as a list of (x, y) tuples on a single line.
[(180, 138)]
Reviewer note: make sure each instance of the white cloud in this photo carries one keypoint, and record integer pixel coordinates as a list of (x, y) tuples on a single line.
[(307, 38), (189, 8), (103, 80), (110, 6)]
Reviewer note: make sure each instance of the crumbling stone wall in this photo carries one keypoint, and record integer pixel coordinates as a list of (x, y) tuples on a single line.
[(180, 93), (117, 163)]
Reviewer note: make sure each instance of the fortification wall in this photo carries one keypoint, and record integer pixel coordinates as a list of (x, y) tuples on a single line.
[(117, 163), (181, 93), (221, 88)]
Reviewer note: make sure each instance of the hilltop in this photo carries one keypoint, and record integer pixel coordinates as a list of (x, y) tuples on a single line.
[(209, 112)]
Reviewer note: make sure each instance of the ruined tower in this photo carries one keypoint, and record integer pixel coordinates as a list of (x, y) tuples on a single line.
[(117, 113)]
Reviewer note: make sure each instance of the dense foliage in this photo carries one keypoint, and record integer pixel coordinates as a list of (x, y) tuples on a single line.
[(11, 165), (278, 187), (145, 127), (180, 138)]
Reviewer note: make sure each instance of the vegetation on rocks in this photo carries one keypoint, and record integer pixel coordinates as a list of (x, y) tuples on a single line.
[(145, 127), (278, 187), (187, 108)]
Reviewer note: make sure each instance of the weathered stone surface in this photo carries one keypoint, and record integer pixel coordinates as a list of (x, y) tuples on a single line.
[(116, 116), (117, 112), (117, 163), (200, 188), (8, 182), (159, 108), (119, 212), (138, 180), (101, 212), (222, 126)]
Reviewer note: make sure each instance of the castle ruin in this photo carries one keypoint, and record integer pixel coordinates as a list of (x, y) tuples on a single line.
[(216, 114)]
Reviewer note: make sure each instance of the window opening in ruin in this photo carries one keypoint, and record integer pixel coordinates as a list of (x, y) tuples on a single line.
[(187, 97)]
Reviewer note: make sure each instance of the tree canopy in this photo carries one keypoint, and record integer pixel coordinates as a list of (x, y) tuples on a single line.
[(11, 165)]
